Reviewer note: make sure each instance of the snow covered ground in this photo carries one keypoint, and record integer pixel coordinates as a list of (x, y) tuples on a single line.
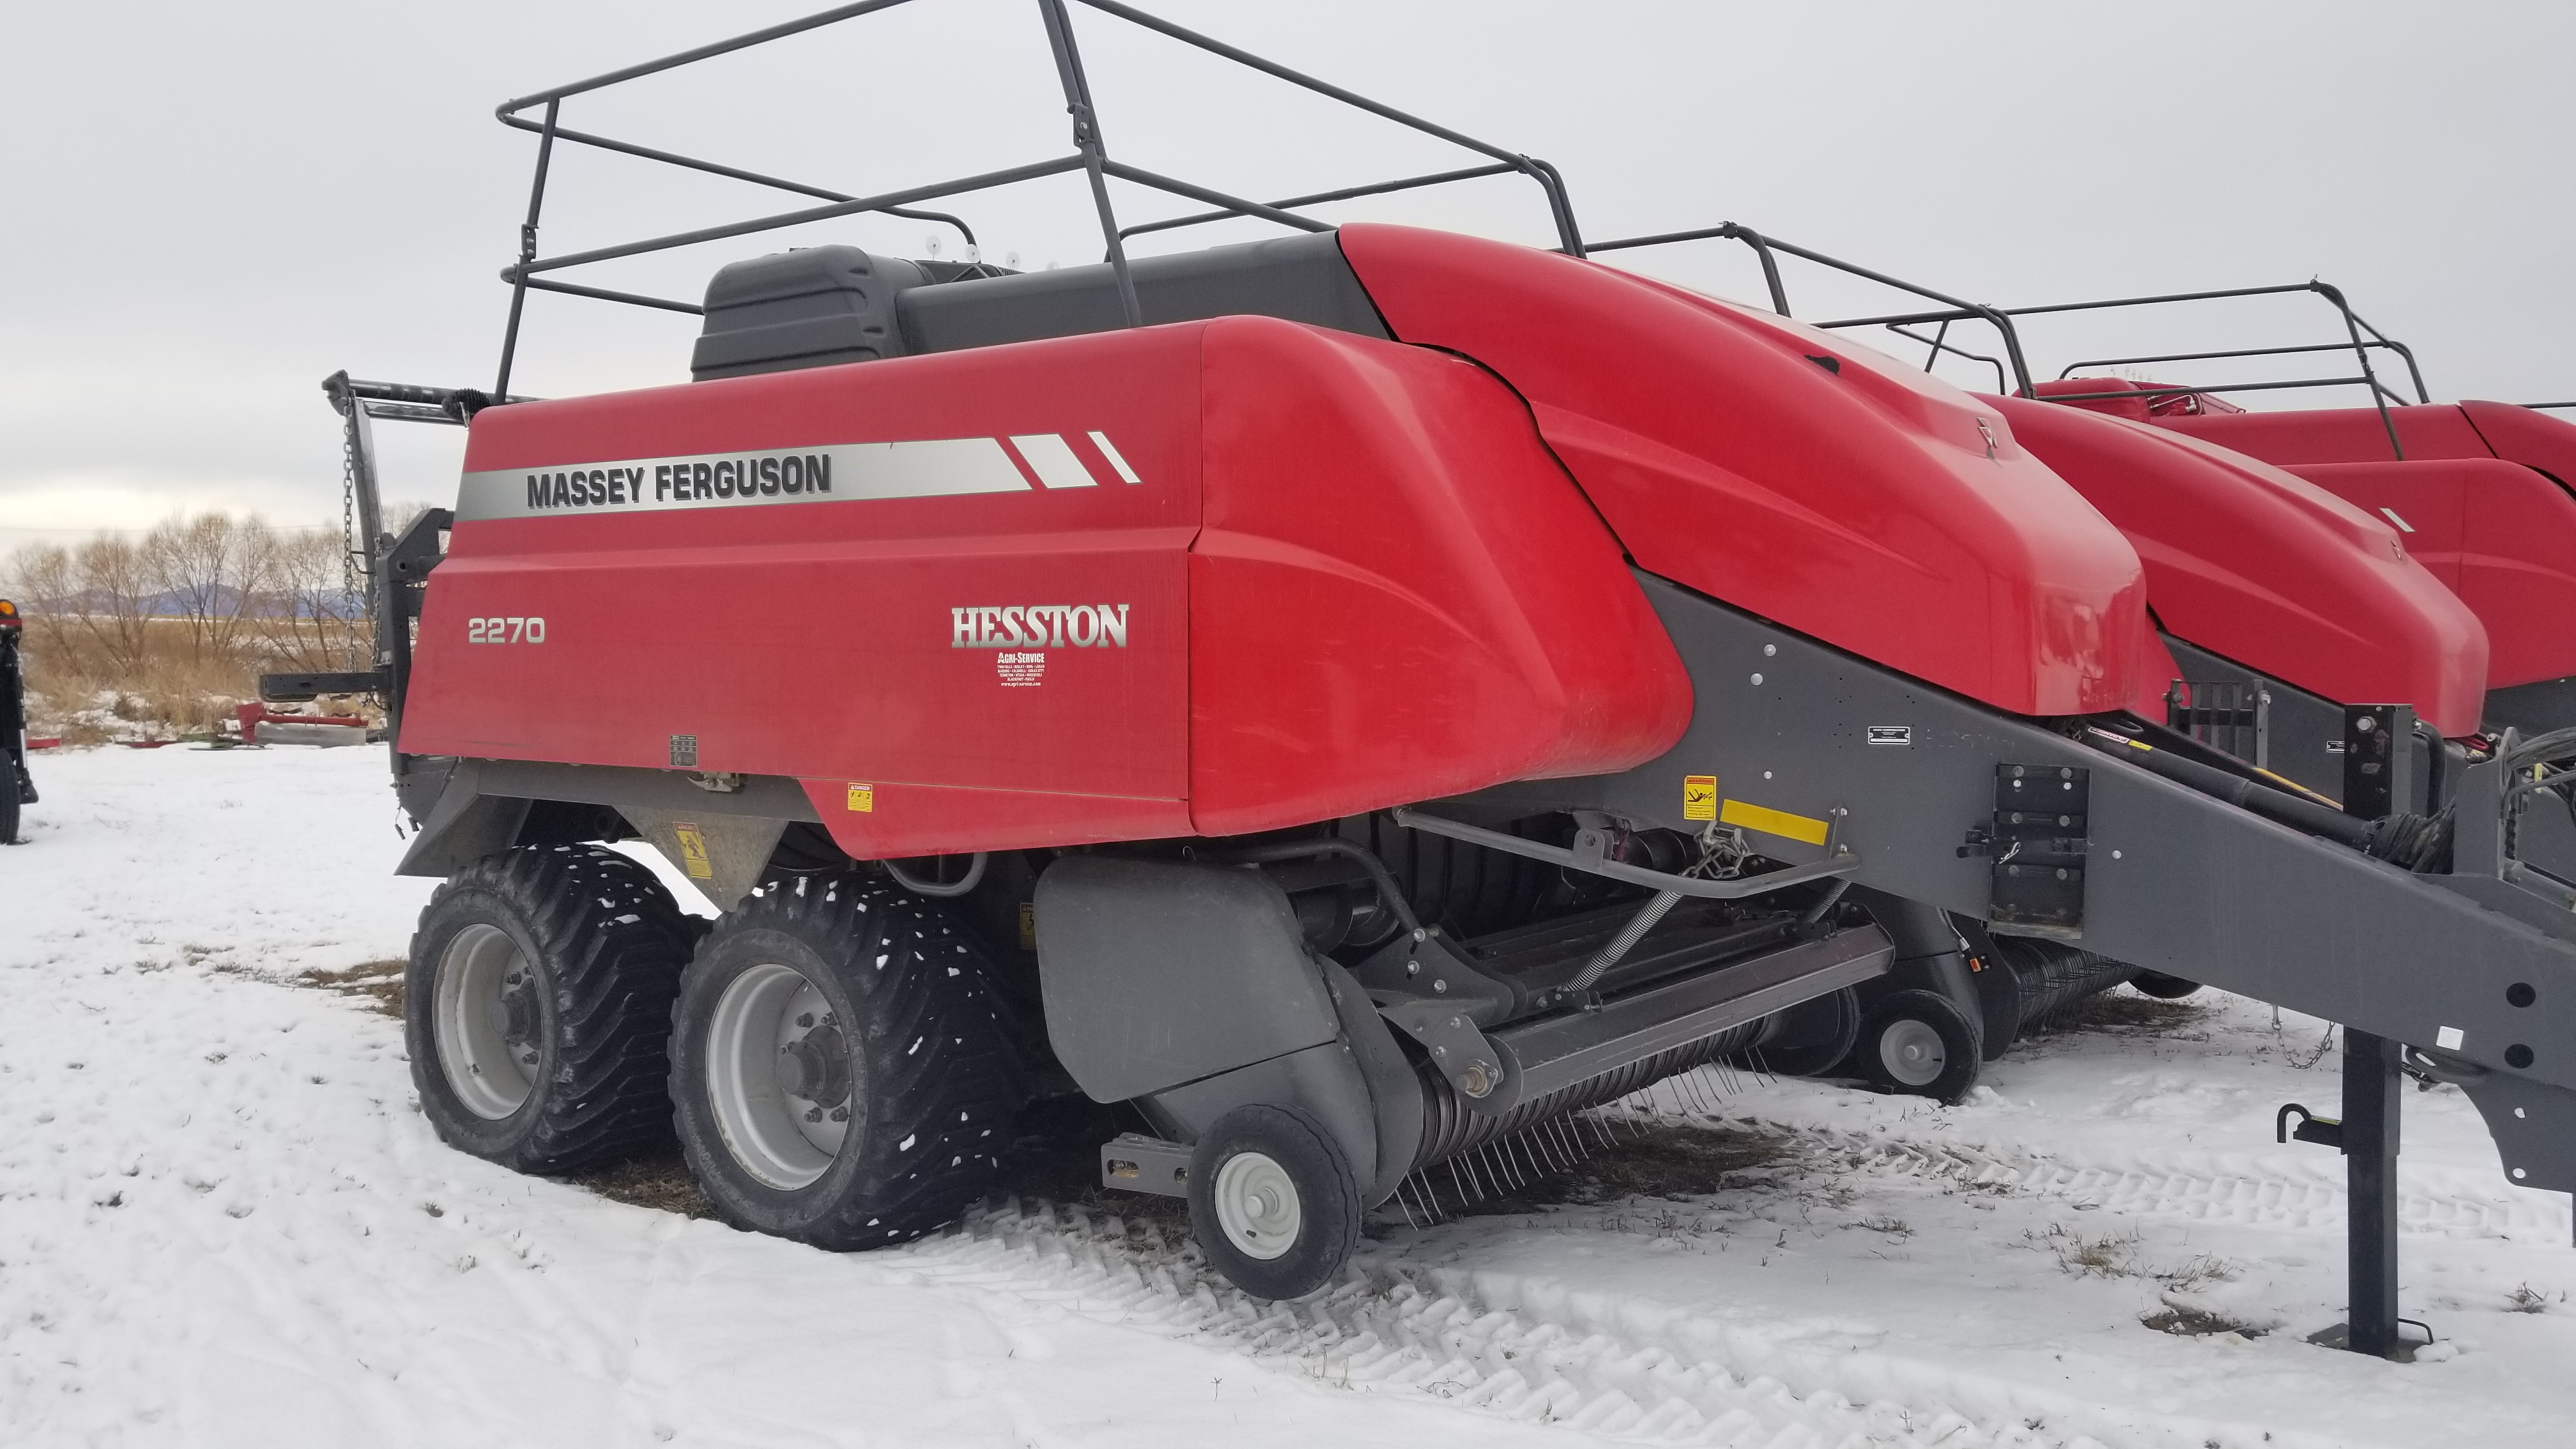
[(222, 1221)]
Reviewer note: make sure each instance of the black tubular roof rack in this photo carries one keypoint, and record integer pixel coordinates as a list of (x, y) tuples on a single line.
[(2361, 338), (1765, 249), (1090, 156)]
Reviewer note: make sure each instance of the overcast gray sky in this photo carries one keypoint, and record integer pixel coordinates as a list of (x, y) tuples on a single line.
[(204, 210)]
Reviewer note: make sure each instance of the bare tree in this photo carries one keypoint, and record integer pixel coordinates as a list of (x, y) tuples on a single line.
[(208, 569)]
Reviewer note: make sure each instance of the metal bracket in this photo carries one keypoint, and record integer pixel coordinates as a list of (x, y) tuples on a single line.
[(2041, 832), (2378, 760), (2323, 1131), (1458, 1050), (1134, 1162)]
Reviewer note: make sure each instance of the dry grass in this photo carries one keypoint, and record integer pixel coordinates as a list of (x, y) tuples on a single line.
[(378, 983), (2198, 1323), (661, 1182), (2121, 1011), (159, 636)]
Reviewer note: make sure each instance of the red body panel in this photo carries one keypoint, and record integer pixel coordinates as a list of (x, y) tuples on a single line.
[(1397, 594), (2499, 534), (2254, 564), (1870, 506), (2492, 479), (1326, 566)]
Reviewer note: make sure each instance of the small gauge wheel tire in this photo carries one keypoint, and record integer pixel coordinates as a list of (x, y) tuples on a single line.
[(2162, 987), (1273, 1202), (1921, 1044)]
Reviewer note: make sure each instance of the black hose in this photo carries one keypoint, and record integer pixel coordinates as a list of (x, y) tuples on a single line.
[(1379, 876), (2416, 842), (2263, 800)]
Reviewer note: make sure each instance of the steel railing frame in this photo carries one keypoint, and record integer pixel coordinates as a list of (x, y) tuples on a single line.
[(1090, 156), (2012, 371)]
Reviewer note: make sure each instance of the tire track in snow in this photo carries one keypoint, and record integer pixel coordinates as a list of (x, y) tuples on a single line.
[(2211, 1187), (1615, 1368)]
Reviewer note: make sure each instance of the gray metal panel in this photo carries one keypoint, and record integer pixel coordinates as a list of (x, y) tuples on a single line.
[(774, 796), (1157, 973), (2302, 724), (2178, 882), (733, 850), (1299, 278), (462, 825), (2534, 708)]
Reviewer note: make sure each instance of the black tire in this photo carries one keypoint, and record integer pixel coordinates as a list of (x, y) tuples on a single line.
[(1326, 1200), (929, 1068), (2162, 987), (1812, 1038), (599, 946), (10, 798), (1920, 1043)]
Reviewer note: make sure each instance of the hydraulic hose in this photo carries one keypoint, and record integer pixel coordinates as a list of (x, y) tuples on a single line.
[(2242, 793), (1387, 890)]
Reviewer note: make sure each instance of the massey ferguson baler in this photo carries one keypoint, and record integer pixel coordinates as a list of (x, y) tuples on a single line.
[(1358, 698)]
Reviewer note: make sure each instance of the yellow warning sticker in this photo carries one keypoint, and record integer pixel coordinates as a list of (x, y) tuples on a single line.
[(693, 851), (1773, 822), (863, 798), (1699, 797), (1028, 925)]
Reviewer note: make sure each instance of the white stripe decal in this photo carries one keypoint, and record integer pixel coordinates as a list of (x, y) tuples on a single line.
[(1109, 450), (923, 468), (2401, 523), (1052, 459)]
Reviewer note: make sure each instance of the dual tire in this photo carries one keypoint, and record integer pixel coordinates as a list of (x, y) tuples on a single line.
[(832, 1056)]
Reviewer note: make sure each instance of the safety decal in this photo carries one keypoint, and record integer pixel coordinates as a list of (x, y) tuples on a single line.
[(1699, 797), (1891, 734), (693, 851), (911, 468), (863, 798), (1772, 822)]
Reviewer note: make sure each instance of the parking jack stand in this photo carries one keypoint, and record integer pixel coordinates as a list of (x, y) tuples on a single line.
[(2370, 1107)]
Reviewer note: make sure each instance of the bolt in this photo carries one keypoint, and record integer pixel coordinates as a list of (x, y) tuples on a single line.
[(1420, 934), (2066, 820), (813, 1114), (805, 1019), (2365, 724), (1441, 987), (1770, 649), (840, 1114), (1412, 968), (1455, 1023), (1477, 1080), (1757, 679)]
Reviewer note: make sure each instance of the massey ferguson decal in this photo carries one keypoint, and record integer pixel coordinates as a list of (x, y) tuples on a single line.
[(921, 468)]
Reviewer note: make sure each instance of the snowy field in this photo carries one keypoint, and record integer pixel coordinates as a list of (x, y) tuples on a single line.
[(223, 1222)]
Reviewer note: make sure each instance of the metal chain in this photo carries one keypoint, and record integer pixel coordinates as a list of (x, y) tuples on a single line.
[(348, 534)]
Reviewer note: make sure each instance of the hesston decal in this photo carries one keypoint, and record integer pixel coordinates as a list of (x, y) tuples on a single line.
[(1080, 626)]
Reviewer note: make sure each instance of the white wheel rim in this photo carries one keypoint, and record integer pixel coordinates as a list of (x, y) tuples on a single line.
[(1257, 1206), (484, 1022), (757, 1046), (1911, 1051)]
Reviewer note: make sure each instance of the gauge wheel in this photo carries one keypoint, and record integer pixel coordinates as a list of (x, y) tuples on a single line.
[(1921, 1044)]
